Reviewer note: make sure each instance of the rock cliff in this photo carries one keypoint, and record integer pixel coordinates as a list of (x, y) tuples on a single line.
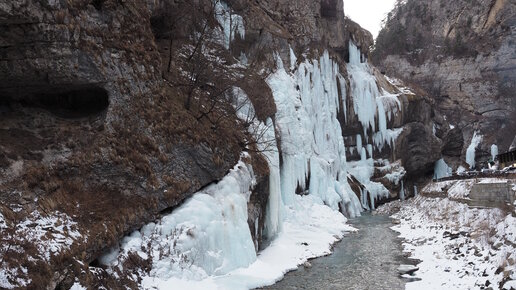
[(114, 112), (463, 54)]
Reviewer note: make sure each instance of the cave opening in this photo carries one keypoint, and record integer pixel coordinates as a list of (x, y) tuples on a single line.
[(329, 8), (69, 104)]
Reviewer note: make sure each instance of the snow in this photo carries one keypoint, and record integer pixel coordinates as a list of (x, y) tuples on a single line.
[(51, 234), (8, 276), (461, 189), (492, 180), (438, 187), (399, 84), (407, 269), (470, 152), (458, 189), (77, 286), (3, 225), (460, 247), (441, 169)]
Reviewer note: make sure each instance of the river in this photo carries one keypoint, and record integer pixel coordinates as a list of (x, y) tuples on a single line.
[(367, 259)]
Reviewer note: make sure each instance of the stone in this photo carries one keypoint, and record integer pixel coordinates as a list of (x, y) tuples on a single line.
[(407, 269)]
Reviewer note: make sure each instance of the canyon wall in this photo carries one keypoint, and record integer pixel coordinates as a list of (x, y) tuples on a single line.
[(463, 54), (112, 113)]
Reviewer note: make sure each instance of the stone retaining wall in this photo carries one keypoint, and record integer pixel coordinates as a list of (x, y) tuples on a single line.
[(493, 192)]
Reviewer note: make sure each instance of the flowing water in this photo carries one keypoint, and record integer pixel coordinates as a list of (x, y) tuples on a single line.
[(367, 259)]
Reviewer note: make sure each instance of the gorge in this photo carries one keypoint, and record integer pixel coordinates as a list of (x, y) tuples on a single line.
[(217, 144)]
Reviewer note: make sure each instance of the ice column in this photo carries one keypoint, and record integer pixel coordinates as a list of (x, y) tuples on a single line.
[(312, 145)]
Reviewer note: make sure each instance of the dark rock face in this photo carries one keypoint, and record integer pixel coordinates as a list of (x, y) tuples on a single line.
[(94, 123), (91, 132), (453, 143), (462, 53), (419, 149)]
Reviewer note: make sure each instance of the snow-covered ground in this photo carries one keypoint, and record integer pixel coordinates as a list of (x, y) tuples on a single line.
[(50, 235), (460, 247), (206, 242)]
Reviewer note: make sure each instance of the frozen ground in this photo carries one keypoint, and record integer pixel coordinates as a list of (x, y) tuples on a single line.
[(460, 247), (50, 235)]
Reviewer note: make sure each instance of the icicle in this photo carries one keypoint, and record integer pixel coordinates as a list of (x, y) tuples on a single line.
[(293, 59), (370, 150), (441, 169), (494, 151), (402, 192), (470, 152), (231, 23), (311, 135)]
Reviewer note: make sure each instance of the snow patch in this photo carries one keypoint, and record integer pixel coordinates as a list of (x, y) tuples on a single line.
[(460, 247)]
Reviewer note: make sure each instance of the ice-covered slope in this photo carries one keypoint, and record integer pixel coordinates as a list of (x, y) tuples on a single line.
[(206, 243)]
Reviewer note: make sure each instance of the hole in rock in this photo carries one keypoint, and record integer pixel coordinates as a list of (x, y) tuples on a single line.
[(70, 104), (329, 8)]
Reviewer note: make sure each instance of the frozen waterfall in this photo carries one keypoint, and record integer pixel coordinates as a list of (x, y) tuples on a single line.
[(206, 243)]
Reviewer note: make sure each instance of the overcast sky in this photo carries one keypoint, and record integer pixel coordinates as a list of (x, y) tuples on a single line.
[(368, 13)]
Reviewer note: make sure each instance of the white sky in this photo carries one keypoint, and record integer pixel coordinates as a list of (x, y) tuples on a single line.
[(368, 13)]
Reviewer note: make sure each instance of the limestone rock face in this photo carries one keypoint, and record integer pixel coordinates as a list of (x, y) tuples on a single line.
[(90, 133), (462, 53), (419, 149)]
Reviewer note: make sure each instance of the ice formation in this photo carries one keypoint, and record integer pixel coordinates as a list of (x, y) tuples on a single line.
[(312, 145), (264, 133), (470, 152), (402, 191), (364, 90), (207, 243), (207, 235), (363, 170), (231, 23), (293, 59), (370, 105), (441, 169), (494, 151)]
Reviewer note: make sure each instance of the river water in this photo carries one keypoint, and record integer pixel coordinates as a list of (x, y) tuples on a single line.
[(367, 259)]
